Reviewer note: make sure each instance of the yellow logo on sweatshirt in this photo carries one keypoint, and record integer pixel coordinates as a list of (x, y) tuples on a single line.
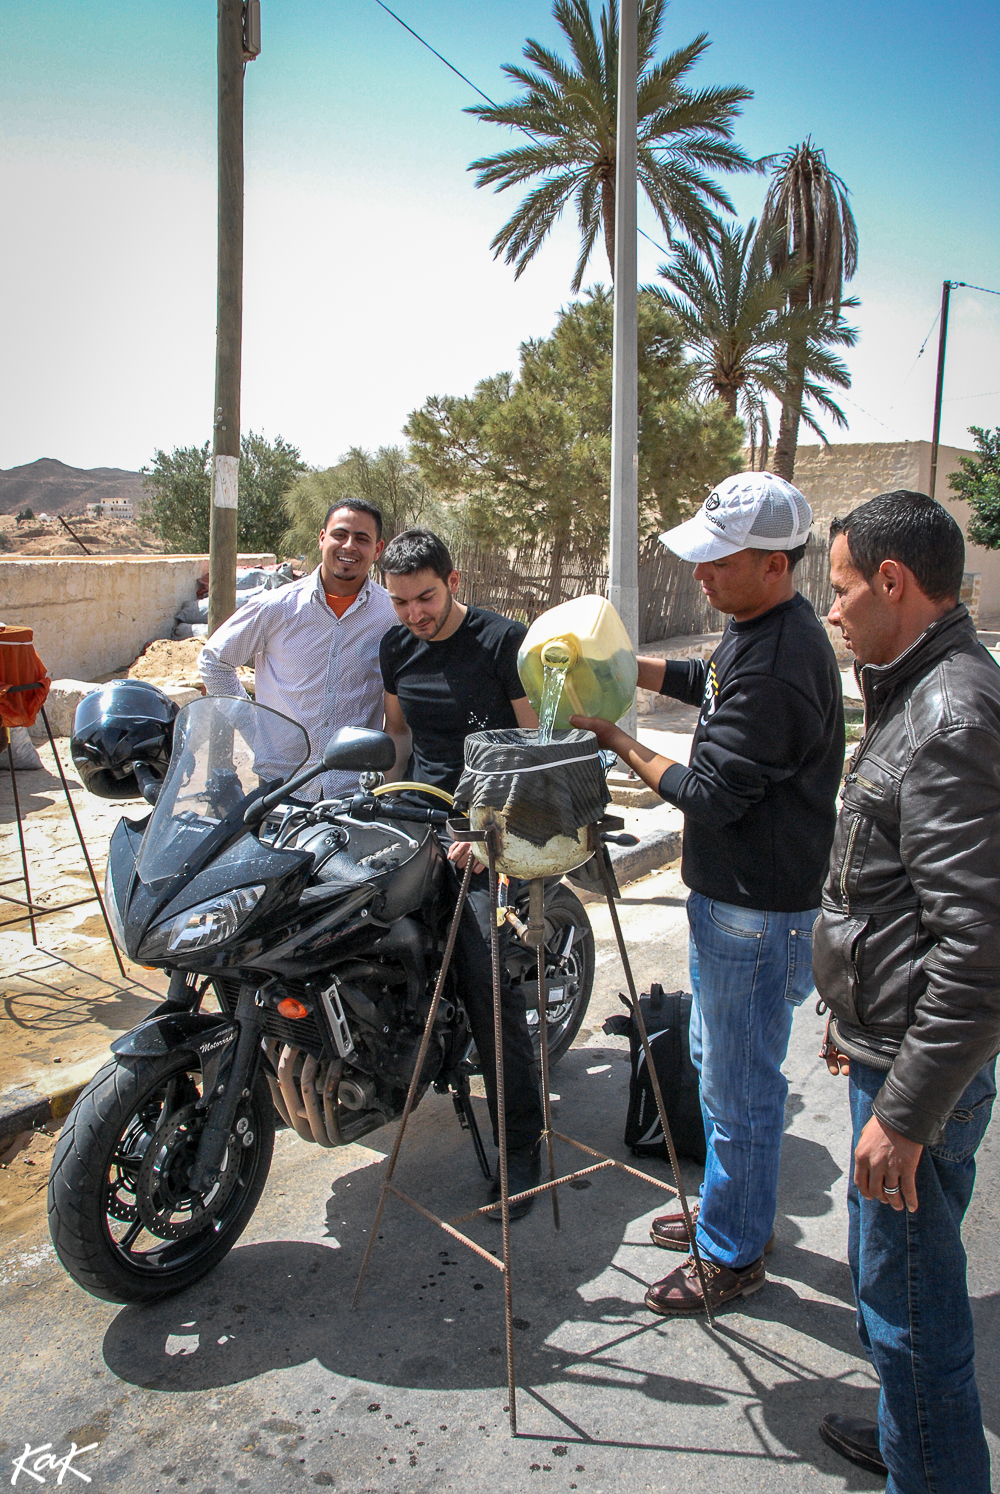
[(711, 697)]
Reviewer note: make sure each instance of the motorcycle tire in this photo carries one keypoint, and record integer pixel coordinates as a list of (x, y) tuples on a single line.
[(106, 1184), (564, 910)]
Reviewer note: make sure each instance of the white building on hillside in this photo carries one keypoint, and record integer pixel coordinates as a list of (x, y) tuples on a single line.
[(112, 508)]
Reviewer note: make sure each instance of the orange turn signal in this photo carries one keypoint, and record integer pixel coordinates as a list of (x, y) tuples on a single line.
[(289, 1007)]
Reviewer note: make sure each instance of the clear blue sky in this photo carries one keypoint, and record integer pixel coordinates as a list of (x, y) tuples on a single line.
[(369, 282)]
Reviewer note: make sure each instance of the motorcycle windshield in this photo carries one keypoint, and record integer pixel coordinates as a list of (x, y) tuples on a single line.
[(224, 750)]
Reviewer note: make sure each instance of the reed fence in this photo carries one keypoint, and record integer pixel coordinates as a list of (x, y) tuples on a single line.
[(519, 583)]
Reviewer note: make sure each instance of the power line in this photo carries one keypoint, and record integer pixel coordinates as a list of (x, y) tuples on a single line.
[(492, 102), (937, 318), (652, 241), (847, 399), (476, 89), (984, 394), (984, 288)]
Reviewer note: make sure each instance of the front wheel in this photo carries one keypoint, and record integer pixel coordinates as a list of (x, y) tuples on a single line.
[(123, 1220), (569, 961)]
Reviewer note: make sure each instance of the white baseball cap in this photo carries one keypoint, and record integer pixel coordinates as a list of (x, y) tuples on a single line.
[(750, 511)]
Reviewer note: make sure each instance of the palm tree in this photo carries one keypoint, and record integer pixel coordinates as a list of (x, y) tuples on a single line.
[(570, 114), (807, 222), (739, 316)]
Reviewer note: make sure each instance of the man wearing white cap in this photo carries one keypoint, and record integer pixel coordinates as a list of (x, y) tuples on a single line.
[(759, 800)]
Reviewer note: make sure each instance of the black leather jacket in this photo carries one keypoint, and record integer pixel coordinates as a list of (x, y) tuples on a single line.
[(906, 949)]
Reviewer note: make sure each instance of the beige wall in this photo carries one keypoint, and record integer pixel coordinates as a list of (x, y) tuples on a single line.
[(837, 478), (97, 613)]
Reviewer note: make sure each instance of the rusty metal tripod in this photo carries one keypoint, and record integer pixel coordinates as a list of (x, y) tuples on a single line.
[(39, 910), (602, 1162)]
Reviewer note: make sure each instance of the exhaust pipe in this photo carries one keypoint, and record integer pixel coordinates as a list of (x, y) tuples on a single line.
[(290, 1058), (311, 1099), (331, 1112), (273, 1049)]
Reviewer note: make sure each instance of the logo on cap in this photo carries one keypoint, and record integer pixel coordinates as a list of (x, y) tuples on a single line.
[(713, 502)]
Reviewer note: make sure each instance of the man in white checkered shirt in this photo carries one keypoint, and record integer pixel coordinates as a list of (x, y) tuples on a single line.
[(314, 644)]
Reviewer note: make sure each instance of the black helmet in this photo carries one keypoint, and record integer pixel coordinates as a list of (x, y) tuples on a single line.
[(126, 722)]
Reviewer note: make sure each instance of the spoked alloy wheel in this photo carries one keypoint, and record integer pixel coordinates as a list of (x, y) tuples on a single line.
[(569, 961), (123, 1218)]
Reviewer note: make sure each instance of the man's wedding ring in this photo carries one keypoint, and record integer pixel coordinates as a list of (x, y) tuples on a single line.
[(887, 1189)]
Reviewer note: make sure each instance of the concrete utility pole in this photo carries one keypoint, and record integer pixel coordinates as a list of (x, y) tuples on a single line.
[(623, 592), (232, 53), (939, 386)]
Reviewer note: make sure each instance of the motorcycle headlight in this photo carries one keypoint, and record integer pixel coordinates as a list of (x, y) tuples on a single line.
[(202, 925), (113, 911)]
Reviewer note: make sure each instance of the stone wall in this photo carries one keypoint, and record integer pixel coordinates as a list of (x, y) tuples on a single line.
[(837, 478), (96, 614)]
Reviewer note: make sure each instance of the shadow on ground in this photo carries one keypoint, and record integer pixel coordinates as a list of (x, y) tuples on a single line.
[(36, 790), (431, 1313)]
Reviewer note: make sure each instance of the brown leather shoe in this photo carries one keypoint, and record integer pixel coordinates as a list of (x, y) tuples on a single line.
[(670, 1232), (679, 1294)]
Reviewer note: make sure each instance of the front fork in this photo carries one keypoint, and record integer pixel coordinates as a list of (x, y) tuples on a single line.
[(222, 1096)]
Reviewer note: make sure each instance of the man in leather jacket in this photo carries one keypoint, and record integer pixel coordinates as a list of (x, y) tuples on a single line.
[(906, 955)]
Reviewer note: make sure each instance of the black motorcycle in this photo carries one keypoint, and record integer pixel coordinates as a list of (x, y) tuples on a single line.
[(303, 941)]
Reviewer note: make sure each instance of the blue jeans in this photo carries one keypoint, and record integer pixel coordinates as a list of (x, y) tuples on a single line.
[(749, 969), (914, 1319)]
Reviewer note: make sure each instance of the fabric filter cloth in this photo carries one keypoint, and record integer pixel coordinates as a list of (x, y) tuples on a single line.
[(20, 667), (542, 790)]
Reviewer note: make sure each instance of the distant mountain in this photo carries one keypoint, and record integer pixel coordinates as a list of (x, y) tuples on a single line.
[(50, 487)]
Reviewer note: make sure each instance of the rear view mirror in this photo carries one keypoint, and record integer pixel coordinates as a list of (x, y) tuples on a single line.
[(354, 749)]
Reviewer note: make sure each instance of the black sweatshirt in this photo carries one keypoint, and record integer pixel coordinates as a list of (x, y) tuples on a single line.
[(759, 798)]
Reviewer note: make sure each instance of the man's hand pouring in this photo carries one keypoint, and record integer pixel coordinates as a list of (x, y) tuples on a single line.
[(647, 765)]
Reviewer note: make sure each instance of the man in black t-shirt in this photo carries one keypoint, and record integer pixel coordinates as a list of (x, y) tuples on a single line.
[(759, 801), (450, 670)]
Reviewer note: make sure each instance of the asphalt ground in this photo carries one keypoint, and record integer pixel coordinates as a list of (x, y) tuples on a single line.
[(260, 1377)]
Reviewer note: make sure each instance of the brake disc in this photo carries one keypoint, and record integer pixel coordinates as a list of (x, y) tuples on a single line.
[(167, 1205), (127, 1162)]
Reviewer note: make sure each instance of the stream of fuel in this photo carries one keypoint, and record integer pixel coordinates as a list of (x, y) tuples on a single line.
[(552, 689)]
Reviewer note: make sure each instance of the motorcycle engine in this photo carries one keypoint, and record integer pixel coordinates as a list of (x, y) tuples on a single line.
[(342, 1068)]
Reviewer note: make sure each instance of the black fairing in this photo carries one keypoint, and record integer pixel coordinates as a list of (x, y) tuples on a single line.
[(287, 934), (245, 863)]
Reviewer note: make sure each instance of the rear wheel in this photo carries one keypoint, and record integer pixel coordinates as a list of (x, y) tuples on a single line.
[(123, 1220), (569, 962)]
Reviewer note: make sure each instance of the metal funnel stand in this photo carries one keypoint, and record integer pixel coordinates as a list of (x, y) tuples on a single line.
[(602, 1162)]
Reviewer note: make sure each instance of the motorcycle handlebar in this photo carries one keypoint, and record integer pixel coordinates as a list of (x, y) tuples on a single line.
[(414, 814), (360, 807)]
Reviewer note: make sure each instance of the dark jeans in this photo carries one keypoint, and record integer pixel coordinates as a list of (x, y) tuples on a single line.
[(522, 1097), (914, 1319)]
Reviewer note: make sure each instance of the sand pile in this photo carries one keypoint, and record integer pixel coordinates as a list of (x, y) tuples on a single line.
[(174, 661)]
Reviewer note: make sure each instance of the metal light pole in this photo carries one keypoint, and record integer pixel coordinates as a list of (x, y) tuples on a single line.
[(238, 42), (942, 339), (623, 592)]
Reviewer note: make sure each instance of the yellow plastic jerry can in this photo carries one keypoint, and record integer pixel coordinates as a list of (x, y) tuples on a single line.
[(584, 644)]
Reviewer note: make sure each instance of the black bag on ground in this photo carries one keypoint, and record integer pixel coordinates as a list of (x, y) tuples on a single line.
[(667, 1017)]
